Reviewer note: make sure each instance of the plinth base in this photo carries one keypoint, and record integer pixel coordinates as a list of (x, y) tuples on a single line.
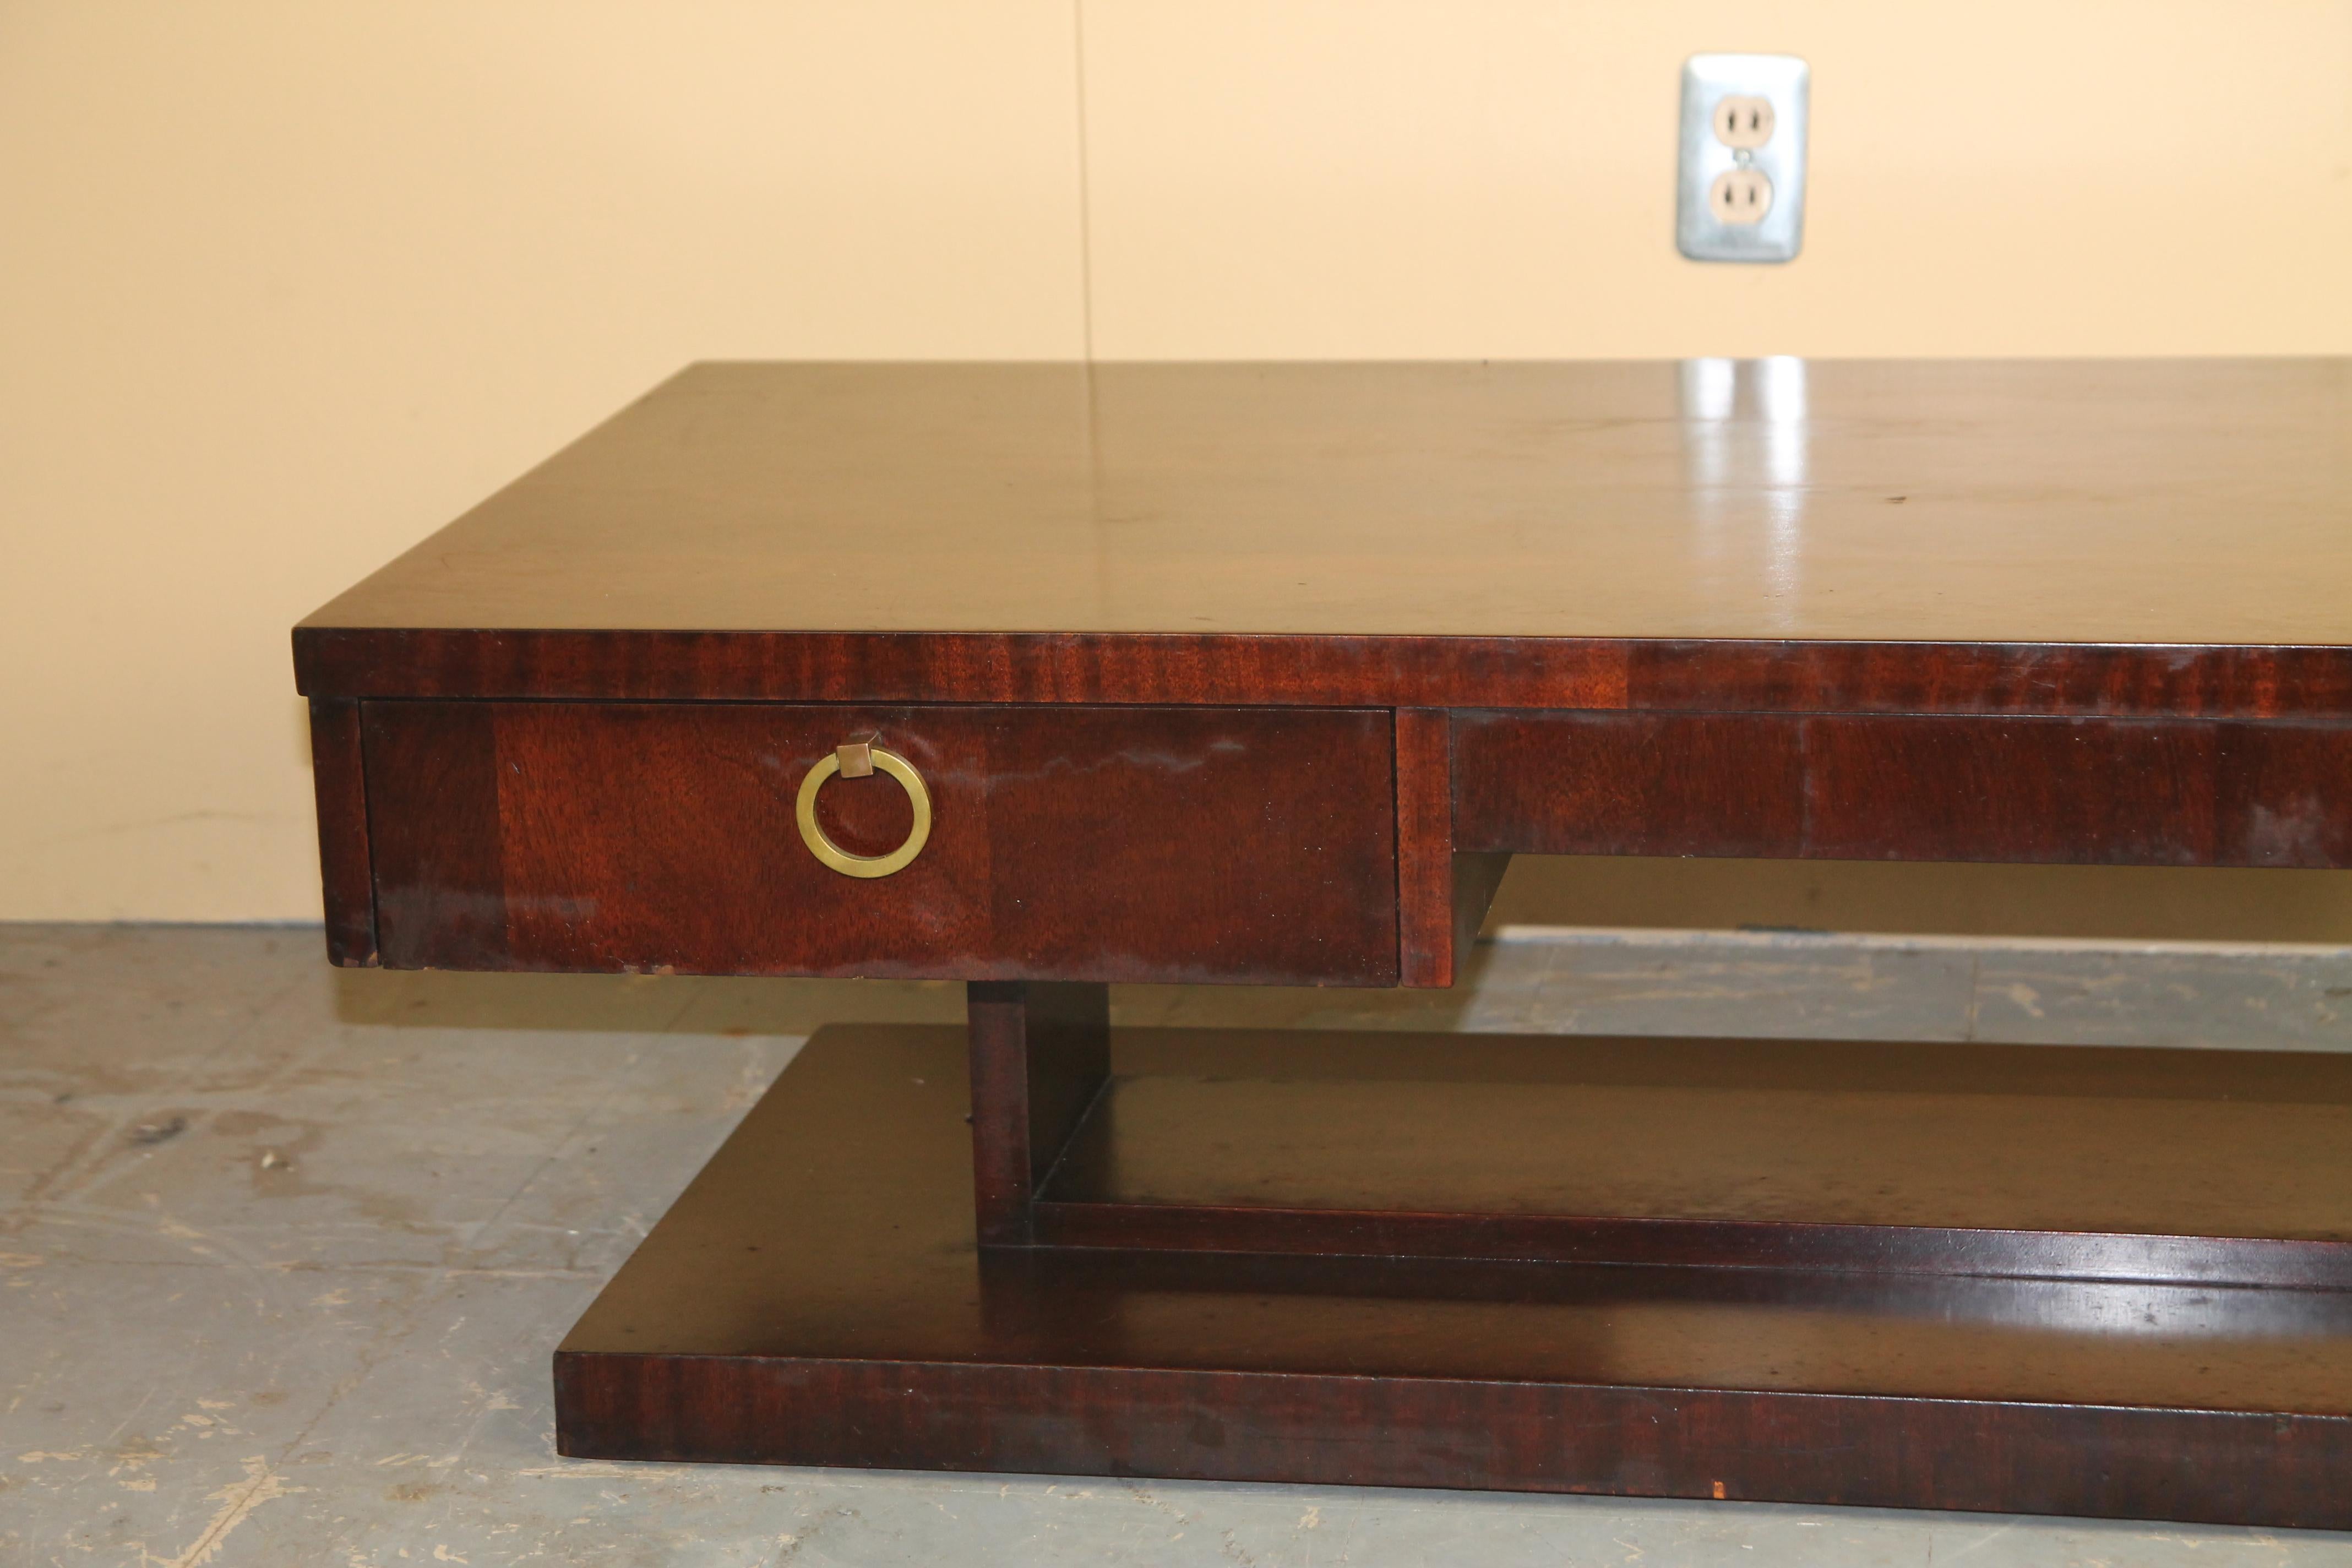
[(815, 1297)]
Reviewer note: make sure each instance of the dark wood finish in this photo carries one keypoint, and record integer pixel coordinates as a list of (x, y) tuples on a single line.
[(2060, 679), (2081, 791), (339, 776), (1793, 1245), (1040, 1055), (1476, 880), (1523, 1435), (1711, 784), (1442, 896), (438, 840), (2086, 537), (2189, 503), (616, 837), (1259, 673), (2083, 1163), (1758, 675), (1424, 797), (815, 1298)]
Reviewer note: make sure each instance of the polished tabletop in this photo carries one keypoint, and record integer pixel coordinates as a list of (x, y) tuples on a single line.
[(2182, 502)]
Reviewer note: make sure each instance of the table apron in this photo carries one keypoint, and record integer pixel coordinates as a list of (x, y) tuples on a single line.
[(2084, 791)]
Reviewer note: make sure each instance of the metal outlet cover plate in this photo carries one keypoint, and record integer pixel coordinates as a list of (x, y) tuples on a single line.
[(1707, 81)]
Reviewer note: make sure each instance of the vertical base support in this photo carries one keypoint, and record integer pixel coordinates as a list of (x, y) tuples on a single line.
[(1441, 896), (1040, 1055)]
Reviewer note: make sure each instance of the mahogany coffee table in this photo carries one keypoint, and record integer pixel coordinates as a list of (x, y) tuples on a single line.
[(1045, 679)]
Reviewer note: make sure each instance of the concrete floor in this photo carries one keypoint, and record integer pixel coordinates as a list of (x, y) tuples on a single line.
[(283, 1253)]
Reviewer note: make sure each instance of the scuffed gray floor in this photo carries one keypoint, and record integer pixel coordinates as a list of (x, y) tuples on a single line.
[(283, 1254)]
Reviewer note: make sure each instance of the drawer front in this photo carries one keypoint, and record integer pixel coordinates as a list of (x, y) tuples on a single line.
[(1132, 844), (2118, 792)]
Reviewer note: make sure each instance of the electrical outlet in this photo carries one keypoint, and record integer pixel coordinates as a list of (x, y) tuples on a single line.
[(1741, 186)]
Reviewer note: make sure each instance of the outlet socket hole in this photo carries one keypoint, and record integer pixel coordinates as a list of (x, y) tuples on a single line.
[(1740, 197), (1743, 121)]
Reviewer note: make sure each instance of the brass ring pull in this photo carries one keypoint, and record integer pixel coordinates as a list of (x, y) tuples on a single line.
[(857, 760)]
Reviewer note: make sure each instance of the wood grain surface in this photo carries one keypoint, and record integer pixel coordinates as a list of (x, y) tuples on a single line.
[(346, 875), (2091, 537), (2083, 1163), (1257, 674), (815, 1297), (1070, 843), (1441, 896), (2020, 790), (1279, 670), (1040, 1055), (2135, 501)]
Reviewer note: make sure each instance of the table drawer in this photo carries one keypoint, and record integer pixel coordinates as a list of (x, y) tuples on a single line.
[(1099, 843)]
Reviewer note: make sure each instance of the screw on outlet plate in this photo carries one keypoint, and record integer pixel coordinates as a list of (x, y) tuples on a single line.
[(1740, 186)]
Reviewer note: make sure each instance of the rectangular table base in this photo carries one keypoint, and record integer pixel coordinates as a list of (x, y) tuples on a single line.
[(816, 1296)]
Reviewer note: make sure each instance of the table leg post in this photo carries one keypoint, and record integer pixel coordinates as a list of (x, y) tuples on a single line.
[(1039, 1054)]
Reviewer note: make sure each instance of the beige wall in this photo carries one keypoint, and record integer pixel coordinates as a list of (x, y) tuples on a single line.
[(284, 286)]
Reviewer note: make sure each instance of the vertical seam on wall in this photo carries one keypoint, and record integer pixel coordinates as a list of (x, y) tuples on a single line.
[(1086, 213)]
